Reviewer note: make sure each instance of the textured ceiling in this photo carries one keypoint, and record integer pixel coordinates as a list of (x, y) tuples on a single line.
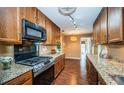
[(84, 17)]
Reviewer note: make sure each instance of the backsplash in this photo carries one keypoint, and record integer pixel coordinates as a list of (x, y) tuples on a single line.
[(45, 49), (116, 51), (7, 50)]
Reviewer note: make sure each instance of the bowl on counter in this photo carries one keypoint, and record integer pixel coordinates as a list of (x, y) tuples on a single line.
[(6, 62)]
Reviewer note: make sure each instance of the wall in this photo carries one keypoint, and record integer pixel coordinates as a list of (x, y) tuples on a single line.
[(72, 48), (6, 50), (116, 51)]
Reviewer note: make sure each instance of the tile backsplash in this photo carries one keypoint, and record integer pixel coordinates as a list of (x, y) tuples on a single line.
[(116, 51), (7, 50)]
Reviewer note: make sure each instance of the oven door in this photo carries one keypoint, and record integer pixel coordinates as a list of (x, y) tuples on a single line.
[(45, 78)]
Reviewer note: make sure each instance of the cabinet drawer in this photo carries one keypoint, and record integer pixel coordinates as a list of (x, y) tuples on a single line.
[(60, 57), (28, 82), (100, 80), (20, 79)]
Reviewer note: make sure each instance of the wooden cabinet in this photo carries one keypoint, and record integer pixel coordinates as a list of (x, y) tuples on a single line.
[(100, 80), (92, 74), (100, 32), (40, 18), (53, 32), (110, 25), (48, 26), (59, 65), (57, 33), (30, 14), (115, 24), (11, 24), (97, 29), (25, 79), (10, 32), (104, 29)]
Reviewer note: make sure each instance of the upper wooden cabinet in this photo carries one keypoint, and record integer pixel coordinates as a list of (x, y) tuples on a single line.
[(110, 25), (100, 28), (48, 26), (53, 32), (115, 24), (40, 18), (30, 14), (97, 29), (104, 29), (9, 26)]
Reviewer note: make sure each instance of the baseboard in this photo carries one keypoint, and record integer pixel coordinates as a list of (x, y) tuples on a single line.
[(73, 58)]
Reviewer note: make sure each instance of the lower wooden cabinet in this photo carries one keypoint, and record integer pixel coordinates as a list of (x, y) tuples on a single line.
[(92, 75), (100, 80), (59, 65), (24, 79)]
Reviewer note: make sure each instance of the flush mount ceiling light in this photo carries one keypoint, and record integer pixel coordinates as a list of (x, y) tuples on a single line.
[(68, 11)]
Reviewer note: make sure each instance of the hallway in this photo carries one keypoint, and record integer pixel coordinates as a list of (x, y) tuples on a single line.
[(74, 73)]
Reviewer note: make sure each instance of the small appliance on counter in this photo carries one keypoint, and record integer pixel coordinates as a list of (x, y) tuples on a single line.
[(53, 51)]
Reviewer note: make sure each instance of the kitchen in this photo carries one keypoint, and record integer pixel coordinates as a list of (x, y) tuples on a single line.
[(37, 48)]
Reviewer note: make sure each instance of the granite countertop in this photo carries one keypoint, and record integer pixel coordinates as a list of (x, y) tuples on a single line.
[(107, 67), (53, 55), (15, 71)]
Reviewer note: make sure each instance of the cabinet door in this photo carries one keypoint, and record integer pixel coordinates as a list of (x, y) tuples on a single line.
[(94, 33), (57, 68), (59, 64), (30, 14), (22, 79), (92, 74), (20, 16), (40, 18), (115, 30), (8, 25), (57, 34), (103, 26), (48, 26), (100, 80), (53, 33), (97, 30), (98, 27)]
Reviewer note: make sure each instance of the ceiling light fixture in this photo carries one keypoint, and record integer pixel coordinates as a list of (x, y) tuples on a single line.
[(68, 11)]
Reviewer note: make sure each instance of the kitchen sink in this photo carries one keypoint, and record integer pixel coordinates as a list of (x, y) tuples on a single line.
[(118, 79)]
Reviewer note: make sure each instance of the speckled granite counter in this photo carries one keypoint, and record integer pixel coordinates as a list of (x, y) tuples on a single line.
[(107, 67), (13, 72), (53, 55)]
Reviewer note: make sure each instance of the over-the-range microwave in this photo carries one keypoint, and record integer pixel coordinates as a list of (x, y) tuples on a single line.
[(33, 31)]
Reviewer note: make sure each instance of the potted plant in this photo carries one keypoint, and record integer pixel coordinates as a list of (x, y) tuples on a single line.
[(58, 45)]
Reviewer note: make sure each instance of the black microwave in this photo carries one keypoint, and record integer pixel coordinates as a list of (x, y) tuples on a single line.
[(33, 31)]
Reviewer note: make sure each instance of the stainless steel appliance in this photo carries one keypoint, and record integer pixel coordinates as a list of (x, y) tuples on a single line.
[(33, 31), (43, 67)]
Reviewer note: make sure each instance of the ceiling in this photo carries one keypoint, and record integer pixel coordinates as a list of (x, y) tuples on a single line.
[(84, 18)]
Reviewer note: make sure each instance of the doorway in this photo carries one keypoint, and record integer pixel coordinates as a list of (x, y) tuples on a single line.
[(85, 48)]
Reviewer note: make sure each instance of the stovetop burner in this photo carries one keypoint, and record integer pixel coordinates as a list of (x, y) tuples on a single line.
[(35, 60)]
